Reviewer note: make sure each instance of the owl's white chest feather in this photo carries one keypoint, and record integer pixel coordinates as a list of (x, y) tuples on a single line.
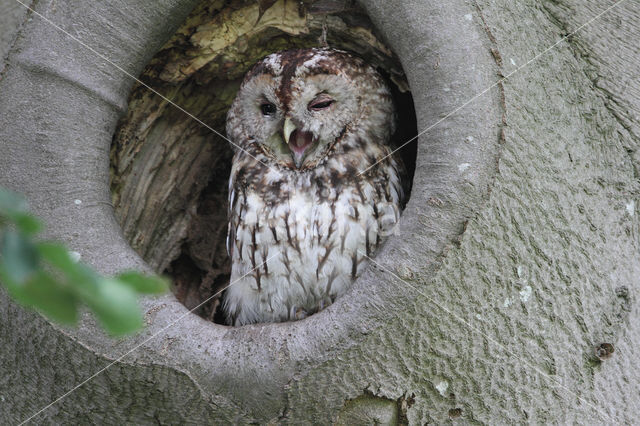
[(294, 257)]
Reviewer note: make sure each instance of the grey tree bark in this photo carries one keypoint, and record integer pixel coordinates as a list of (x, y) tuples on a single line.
[(517, 254)]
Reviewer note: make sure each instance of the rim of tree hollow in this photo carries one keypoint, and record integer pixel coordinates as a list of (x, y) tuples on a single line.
[(438, 50)]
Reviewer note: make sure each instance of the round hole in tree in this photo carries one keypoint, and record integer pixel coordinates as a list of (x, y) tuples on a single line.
[(169, 168)]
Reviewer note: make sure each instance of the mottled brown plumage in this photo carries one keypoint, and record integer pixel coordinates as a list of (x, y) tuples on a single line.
[(301, 213)]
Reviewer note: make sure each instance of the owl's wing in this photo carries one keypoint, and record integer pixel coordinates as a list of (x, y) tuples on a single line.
[(398, 175), (231, 228), (405, 182), (231, 235)]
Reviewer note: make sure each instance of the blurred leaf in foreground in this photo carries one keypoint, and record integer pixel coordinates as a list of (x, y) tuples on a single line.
[(45, 276)]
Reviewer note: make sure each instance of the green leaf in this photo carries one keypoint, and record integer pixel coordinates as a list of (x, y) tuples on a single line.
[(58, 293), (116, 307), (26, 223), (144, 284), (19, 257), (57, 255), (13, 209), (44, 293), (16, 290), (51, 298), (78, 275), (10, 202)]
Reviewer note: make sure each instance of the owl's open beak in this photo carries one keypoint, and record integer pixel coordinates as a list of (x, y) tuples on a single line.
[(297, 140)]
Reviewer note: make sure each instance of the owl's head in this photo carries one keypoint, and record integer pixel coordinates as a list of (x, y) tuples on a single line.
[(300, 106)]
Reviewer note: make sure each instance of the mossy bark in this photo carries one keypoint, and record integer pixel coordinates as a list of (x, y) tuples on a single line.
[(518, 252)]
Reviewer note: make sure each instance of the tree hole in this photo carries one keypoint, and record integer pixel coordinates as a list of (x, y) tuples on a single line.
[(169, 171)]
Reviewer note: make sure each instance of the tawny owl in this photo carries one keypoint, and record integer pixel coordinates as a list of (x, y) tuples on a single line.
[(302, 216)]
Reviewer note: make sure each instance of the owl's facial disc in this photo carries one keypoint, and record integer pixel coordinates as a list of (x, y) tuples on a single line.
[(302, 107), (298, 140)]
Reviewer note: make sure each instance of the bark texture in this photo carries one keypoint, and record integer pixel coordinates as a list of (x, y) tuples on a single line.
[(11, 17), (518, 248)]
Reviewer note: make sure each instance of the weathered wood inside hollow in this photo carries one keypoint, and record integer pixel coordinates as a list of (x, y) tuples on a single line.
[(170, 168)]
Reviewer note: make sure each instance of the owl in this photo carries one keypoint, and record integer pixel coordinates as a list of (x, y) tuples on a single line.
[(313, 188)]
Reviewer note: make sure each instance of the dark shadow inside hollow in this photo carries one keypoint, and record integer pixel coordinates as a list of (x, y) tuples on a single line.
[(169, 171)]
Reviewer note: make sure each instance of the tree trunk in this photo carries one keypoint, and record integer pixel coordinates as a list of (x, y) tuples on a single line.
[(516, 258)]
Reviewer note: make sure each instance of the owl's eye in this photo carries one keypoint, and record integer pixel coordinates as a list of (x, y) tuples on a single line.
[(268, 108), (320, 103)]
